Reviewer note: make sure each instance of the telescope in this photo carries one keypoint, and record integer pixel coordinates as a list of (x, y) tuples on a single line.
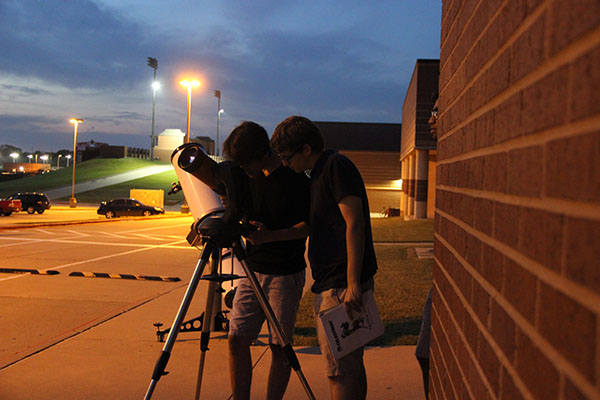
[(203, 180)]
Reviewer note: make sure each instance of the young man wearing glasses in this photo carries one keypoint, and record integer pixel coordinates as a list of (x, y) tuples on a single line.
[(279, 202), (341, 253)]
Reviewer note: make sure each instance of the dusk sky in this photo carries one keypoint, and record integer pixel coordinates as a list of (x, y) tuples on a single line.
[(341, 60)]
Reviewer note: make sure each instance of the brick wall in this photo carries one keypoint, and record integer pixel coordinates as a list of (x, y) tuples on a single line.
[(516, 307)]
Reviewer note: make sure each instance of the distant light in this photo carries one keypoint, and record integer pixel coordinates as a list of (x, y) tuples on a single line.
[(155, 85), (21, 168), (397, 183), (75, 121), (221, 111), (68, 156), (14, 155)]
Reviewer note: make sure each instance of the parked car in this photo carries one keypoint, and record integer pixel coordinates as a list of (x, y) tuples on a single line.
[(119, 207), (32, 202), (7, 207)]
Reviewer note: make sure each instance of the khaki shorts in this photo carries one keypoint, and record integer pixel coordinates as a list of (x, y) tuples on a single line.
[(352, 364), (283, 293)]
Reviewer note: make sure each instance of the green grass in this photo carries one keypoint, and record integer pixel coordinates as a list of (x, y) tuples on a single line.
[(395, 229), (156, 181), (401, 285), (94, 169)]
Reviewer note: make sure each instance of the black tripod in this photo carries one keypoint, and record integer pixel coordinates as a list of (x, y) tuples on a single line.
[(216, 235)]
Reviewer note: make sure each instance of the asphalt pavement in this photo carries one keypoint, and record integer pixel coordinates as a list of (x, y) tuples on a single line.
[(128, 349)]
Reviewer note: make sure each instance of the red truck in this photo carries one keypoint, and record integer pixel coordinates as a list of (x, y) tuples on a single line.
[(7, 207)]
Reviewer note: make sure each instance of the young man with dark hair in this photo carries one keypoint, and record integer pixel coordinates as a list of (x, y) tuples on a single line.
[(278, 206), (341, 253)]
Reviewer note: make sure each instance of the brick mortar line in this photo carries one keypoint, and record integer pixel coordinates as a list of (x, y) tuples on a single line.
[(580, 294), (568, 208), (524, 25), (484, 332), (563, 366), (565, 131), (565, 56)]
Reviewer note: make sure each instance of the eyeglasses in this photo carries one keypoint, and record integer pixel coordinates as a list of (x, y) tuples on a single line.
[(289, 158), (434, 113)]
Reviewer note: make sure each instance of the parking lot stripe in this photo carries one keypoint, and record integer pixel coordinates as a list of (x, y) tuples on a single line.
[(125, 276)]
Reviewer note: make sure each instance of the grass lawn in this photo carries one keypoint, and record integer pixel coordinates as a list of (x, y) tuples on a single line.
[(401, 285)]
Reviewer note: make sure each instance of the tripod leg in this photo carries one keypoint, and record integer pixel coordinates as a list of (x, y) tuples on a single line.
[(240, 253), (161, 363), (208, 319)]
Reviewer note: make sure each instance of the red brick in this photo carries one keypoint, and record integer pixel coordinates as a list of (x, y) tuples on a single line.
[(507, 119), (478, 95), (570, 20), (475, 173), (510, 17), (525, 173), (572, 170), (508, 389), (520, 288), (475, 383), (464, 209), (570, 328), (497, 76), (489, 363), (483, 214), (492, 266), (583, 252), (534, 368), (484, 127), (480, 301), (541, 237), (503, 330), (471, 332), (495, 172), (506, 223), (527, 52), (585, 85), (463, 357), (545, 102), (570, 391), (473, 255)]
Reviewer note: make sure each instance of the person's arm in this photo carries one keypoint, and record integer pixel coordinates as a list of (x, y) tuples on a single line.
[(265, 235), (351, 208)]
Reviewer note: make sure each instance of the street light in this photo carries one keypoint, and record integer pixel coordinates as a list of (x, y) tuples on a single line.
[(189, 85), (153, 63), (58, 161), (44, 158), (218, 96), (30, 156), (68, 157), (75, 122), (14, 157)]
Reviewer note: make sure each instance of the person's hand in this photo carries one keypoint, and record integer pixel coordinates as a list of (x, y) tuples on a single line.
[(260, 235), (353, 300)]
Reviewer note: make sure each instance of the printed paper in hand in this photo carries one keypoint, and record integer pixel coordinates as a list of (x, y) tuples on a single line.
[(346, 335)]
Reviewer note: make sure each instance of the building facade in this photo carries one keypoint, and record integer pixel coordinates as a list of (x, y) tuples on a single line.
[(373, 148), (516, 305), (418, 149)]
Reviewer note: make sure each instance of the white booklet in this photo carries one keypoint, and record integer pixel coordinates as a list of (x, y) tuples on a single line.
[(346, 335)]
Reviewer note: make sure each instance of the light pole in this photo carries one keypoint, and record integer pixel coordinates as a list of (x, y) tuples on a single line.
[(189, 85), (153, 63), (44, 158), (75, 122), (68, 157), (218, 96), (30, 156), (58, 161), (14, 156)]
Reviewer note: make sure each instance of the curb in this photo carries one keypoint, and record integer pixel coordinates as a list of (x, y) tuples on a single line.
[(125, 276)]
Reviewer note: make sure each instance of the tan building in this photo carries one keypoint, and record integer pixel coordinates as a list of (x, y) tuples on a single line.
[(418, 149), (167, 141), (516, 303), (373, 148)]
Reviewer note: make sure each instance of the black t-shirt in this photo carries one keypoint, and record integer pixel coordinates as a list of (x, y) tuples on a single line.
[(279, 200), (334, 177)]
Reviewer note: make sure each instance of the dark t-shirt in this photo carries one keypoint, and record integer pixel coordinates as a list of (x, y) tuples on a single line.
[(334, 177), (279, 200)]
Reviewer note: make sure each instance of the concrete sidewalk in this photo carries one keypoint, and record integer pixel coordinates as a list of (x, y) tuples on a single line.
[(115, 359)]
